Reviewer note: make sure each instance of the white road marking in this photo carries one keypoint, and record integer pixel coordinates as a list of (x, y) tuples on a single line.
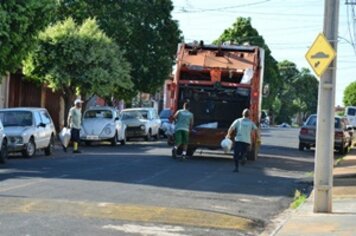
[(147, 230)]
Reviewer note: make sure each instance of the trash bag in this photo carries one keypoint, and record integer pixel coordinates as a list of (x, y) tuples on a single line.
[(226, 145), (64, 136)]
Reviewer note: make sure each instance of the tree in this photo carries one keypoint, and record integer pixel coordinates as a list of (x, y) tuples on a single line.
[(20, 22), (78, 59), (241, 33), (350, 95), (298, 93), (144, 29)]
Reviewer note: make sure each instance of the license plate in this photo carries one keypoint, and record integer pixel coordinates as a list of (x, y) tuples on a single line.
[(92, 137)]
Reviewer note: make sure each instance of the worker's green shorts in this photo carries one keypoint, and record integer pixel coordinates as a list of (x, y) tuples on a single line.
[(181, 137)]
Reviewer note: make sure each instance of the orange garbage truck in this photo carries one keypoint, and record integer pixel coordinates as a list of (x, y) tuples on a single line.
[(219, 82)]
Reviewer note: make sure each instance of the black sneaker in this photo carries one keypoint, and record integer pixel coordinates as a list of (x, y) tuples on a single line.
[(77, 151), (174, 153)]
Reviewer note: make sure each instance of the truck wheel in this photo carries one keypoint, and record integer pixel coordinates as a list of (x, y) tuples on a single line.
[(190, 151)]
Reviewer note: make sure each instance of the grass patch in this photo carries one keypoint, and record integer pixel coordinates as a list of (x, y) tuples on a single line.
[(299, 199)]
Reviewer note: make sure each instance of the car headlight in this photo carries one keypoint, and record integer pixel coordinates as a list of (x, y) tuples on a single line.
[(107, 130), (16, 140), (142, 127)]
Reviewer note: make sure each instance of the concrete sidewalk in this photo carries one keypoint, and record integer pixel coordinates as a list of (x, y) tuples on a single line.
[(342, 221)]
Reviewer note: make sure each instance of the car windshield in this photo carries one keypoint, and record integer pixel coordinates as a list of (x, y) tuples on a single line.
[(16, 118), (144, 113), (313, 119), (351, 112), (165, 114), (104, 114), (126, 115)]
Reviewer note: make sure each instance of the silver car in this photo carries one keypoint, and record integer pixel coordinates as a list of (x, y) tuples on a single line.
[(3, 144), (102, 123), (28, 129), (141, 122)]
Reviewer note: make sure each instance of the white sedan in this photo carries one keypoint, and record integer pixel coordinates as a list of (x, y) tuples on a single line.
[(102, 124)]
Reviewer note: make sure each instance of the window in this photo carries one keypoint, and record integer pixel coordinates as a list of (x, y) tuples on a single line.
[(46, 119), (16, 118), (351, 112), (37, 118)]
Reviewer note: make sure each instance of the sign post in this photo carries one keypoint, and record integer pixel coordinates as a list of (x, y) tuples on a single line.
[(320, 56)]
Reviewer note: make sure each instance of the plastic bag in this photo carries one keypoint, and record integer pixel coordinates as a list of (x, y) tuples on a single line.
[(226, 145), (64, 136)]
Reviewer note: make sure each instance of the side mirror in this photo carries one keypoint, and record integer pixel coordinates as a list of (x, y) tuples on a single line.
[(43, 125)]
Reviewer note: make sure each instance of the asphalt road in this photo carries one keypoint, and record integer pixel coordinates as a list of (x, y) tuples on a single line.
[(138, 189)]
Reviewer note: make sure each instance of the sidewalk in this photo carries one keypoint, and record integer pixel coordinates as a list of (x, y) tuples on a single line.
[(342, 221)]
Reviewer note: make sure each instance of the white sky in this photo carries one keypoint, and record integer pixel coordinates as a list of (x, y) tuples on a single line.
[(289, 28)]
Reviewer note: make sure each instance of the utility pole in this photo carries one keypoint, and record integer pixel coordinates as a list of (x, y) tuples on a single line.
[(324, 158)]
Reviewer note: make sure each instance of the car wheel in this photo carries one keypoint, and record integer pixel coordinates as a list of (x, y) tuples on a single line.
[(30, 149), (148, 137), (123, 141), (301, 147), (49, 149), (157, 136), (114, 140), (3, 152)]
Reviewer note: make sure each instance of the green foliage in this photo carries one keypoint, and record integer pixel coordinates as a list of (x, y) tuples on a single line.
[(298, 93), (299, 199), (144, 29), (20, 22), (78, 59), (241, 33), (350, 95)]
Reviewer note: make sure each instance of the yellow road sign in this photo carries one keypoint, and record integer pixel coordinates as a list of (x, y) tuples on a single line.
[(320, 54)]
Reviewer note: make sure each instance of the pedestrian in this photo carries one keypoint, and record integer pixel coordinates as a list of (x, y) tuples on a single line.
[(74, 121), (243, 128), (183, 124)]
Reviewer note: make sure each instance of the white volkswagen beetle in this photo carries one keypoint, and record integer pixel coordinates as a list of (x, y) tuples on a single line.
[(101, 124)]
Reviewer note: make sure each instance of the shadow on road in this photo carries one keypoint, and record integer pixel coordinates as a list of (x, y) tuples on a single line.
[(150, 164)]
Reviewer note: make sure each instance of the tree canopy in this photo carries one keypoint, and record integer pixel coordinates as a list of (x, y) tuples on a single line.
[(20, 22), (350, 95), (144, 29), (298, 93), (73, 58)]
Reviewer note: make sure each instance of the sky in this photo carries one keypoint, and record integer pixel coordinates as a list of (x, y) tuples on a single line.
[(289, 28)]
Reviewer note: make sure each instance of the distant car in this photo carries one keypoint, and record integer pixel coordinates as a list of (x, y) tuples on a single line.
[(342, 140), (3, 144), (284, 125), (102, 123), (28, 130), (141, 122), (164, 115)]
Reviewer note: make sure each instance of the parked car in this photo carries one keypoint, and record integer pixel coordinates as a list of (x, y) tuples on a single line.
[(102, 123), (3, 144), (342, 140), (141, 122), (28, 129), (164, 115)]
